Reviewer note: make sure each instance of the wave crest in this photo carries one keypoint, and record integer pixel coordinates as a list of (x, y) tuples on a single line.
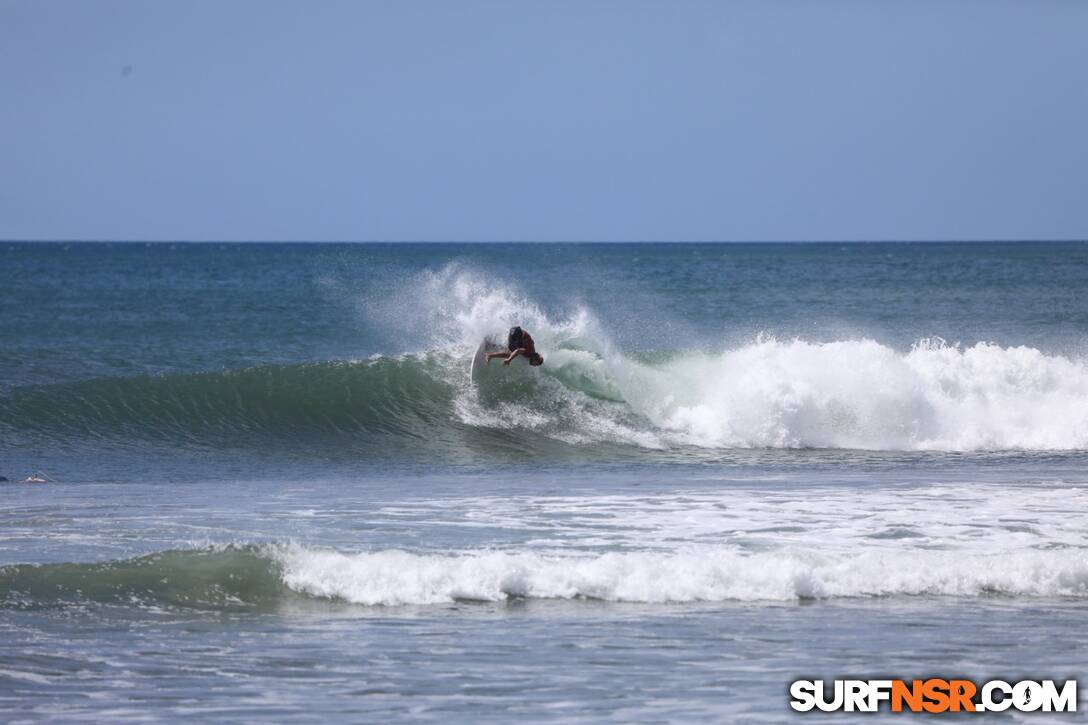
[(251, 577)]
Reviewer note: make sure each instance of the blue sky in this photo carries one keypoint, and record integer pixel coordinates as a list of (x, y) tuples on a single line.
[(543, 120)]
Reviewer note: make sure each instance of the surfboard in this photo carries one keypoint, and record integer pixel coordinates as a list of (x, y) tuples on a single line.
[(481, 370), (479, 361)]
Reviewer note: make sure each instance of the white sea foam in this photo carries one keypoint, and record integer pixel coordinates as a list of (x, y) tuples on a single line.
[(698, 575), (732, 542), (759, 516), (861, 394)]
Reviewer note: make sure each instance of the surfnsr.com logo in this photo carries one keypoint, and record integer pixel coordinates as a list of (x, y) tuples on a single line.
[(934, 695)]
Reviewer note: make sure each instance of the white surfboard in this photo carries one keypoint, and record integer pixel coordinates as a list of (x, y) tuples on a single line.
[(479, 361), (481, 369)]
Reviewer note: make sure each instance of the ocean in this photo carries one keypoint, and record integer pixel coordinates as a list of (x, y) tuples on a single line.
[(275, 494)]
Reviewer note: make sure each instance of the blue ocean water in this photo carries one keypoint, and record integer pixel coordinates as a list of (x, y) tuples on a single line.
[(276, 493)]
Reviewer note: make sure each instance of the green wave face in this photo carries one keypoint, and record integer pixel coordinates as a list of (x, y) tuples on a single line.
[(414, 404), (399, 395), (231, 578)]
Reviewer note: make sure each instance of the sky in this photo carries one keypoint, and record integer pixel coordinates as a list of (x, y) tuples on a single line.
[(511, 120)]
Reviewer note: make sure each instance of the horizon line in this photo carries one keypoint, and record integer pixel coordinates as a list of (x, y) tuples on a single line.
[(978, 240)]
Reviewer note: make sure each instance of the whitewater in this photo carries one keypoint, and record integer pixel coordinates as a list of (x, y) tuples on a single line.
[(691, 546), (274, 488)]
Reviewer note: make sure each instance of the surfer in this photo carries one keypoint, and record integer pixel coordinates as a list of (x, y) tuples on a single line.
[(518, 342)]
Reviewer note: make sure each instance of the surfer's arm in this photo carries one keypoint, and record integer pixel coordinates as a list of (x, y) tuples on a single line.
[(514, 354)]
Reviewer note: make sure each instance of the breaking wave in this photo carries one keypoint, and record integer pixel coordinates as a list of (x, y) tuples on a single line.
[(252, 577), (768, 393)]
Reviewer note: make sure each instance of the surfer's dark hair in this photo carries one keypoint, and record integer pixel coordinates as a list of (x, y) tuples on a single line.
[(515, 338), (536, 359)]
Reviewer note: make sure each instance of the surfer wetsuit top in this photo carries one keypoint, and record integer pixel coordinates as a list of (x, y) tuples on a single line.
[(518, 342)]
